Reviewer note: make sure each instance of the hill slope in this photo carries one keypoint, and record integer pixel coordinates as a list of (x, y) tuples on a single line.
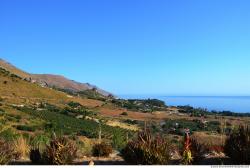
[(51, 80)]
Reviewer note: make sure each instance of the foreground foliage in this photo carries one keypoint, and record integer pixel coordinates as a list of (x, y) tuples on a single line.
[(237, 146), (102, 149), (7, 152), (147, 150), (187, 154), (197, 150), (60, 151), (21, 147)]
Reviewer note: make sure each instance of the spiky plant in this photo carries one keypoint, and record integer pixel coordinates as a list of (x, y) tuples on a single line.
[(237, 146), (60, 151), (147, 150), (197, 150), (7, 152), (102, 149)]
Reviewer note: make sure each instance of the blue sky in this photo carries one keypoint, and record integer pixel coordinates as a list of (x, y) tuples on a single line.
[(168, 47)]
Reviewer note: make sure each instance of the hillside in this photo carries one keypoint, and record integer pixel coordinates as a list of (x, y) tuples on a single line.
[(50, 80), (30, 109)]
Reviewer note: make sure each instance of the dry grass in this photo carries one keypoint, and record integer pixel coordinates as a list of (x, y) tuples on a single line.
[(85, 146), (122, 125), (21, 146), (209, 139)]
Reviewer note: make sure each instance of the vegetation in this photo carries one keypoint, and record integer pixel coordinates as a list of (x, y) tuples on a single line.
[(35, 156), (102, 149), (197, 112), (68, 125), (21, 147), (75, 109), (179, 125), (60, 151), (147, 105), (90, 93), (124, 113), (28, 118), (147, 150), (8, 135), (197, 150), (40, 142), (25, 128), (237, 146), (7, 152), (186, 153)]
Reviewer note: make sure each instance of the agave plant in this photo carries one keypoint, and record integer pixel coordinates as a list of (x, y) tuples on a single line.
[(60, 151), (102, 149), (147, 150), (197, 150), (7, 152), (237, 146)]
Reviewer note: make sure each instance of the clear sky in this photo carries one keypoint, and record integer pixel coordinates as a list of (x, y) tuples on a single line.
[(171, 47)]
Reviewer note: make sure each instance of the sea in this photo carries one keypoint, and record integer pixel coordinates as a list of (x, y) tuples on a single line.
[(239, 104)]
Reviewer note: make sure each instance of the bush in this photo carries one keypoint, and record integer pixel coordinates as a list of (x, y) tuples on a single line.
[(118, 142), (197, 150), (9, 135), (124, 113), (39, 142), (25, 128), (102, 149), (237, 146), (61, 151), (7, 152), (84, 147), (147, 150), (74, 104), (35, 156), (21, 147)]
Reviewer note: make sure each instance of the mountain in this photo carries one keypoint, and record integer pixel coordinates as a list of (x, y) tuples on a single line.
[(49, 80)]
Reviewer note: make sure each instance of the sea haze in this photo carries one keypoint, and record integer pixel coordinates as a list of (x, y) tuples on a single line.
[(219, 103)]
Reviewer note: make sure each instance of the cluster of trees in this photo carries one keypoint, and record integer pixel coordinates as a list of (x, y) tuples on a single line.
[(144, 105), (203, 112)]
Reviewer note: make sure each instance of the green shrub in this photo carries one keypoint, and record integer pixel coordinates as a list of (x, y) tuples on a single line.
[(237, 146), (74, 104), (118, 142), (9, 135), (102, 149), (60, 151), (147, 150), (25, 128), (7, 152), (39, 142)]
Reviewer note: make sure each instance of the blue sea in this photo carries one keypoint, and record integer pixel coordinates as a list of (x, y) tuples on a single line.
[(219, 103)]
